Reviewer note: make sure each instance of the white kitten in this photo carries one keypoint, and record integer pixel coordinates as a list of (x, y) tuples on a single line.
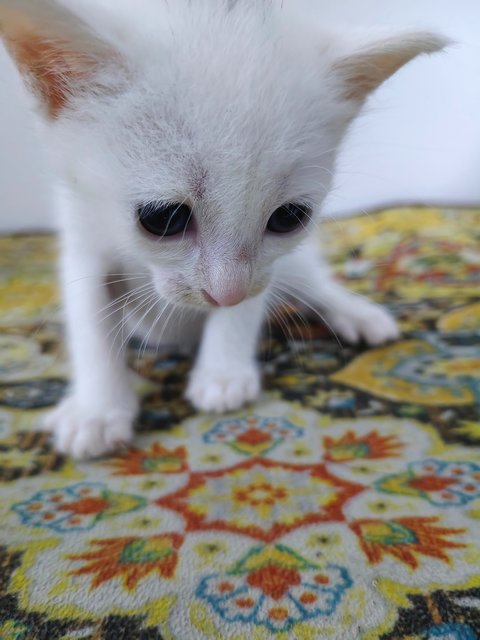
[(194, 143)]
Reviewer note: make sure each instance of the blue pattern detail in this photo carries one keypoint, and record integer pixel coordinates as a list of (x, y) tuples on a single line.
[(34, 512), (451, 632), (464, 488), (229, 430), (224, 604), (419, 370)]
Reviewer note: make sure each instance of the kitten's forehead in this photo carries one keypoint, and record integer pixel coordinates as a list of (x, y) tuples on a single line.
[(238, 69), (239, 130), (224, 105)]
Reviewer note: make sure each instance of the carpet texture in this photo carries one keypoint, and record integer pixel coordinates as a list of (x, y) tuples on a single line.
[(345, 504)]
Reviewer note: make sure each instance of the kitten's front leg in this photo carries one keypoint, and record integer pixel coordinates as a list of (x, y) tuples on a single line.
[(226, 374), (98, 414)]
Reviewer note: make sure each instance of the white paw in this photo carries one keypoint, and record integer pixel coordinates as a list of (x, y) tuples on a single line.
[(365, 321), (89, 434), (217, 391)]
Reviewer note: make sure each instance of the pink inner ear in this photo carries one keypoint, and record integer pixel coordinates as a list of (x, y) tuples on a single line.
[(50, 64), (49, 68)]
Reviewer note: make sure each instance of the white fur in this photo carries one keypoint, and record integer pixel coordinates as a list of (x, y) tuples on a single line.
[(235, 108)]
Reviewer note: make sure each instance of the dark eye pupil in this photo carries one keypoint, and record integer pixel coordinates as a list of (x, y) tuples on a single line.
[(165, 219), (288, 218)]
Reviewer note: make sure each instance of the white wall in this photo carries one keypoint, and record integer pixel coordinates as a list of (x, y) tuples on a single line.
[(420, 140), (420, 137), (24, 201)]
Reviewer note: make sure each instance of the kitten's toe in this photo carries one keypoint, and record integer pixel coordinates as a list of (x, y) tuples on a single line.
[(219, 391), (83, 434), (366, 321), (379, 327)]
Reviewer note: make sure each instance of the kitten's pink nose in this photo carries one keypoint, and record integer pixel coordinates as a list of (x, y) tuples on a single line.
[(227, 298)]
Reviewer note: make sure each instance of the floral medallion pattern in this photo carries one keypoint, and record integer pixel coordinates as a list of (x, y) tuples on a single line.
[(275, 588), (261, 498), (252, 436), (75, 508), (345, 504), (441, 483)]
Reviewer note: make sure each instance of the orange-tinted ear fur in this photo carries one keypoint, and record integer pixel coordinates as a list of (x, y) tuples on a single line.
[(51, 47), (366, 70)]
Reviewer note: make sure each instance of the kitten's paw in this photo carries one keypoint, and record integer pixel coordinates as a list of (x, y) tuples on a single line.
[(217, 391), (366, 321), (85, 434)]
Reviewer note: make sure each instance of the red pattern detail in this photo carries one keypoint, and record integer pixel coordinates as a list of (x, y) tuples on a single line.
[(257, 494), (195, 521), (278, 614), (106, 562), (375, 446), (274, 580), (226, 587), (429, 484), (308, 597), (156, 459), (254, 437), (429, 540), (86, 506), (397, 267), (245, 603)]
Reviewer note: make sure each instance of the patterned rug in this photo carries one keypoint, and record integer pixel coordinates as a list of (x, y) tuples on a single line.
[(344, 505)]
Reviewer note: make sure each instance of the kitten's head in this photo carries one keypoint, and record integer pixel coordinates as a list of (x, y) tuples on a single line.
[(203, 133)]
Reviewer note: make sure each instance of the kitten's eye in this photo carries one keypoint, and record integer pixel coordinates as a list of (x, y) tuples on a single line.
[(165, 219), (288, 218)]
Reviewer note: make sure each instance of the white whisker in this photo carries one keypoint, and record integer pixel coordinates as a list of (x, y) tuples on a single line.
[(150, 304), (145, 341), (124, 320), (123, 300), (316, 311)]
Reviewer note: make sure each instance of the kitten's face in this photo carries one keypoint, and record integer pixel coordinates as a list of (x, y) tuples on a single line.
[(222, 168), (210, 222)]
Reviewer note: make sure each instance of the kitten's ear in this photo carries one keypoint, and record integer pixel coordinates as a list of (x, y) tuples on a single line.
[(53, 47), (364, 71)]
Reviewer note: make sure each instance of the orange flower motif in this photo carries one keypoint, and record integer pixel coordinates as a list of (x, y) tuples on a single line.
[(354, 447), (274, 580), (131, 559), (157, 459), (274, 587), (86, 506), (404, 539), (262, 493), (254, 437)]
